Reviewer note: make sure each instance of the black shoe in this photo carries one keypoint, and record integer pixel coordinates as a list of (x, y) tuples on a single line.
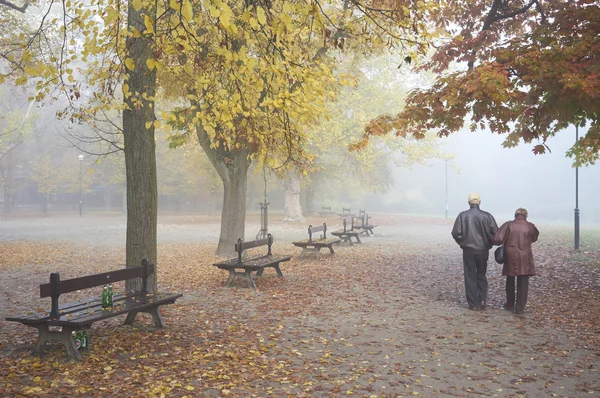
[(483, 305), (508, 307), (474, 308)]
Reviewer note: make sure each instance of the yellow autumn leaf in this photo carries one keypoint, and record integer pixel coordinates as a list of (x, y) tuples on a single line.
[(150, 64), (149, 24), (260, 14), (137, 4), (148, 125), (21, 81), (186, 10), (189, 388), (129, 64), (111, 16)]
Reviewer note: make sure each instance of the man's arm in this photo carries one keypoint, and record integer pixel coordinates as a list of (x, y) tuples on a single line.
[(457, 230), (493, 226)]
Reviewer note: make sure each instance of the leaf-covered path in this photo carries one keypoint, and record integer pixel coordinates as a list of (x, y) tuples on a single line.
[(385, 318)]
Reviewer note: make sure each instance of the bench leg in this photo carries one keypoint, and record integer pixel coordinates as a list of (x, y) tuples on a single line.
[(248, 276), (279, 273), (357, 239), (231, 278), (64, 336), (158, 322), (331, 249)]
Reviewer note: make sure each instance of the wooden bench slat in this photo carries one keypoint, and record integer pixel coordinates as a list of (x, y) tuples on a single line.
[(252, 244), (81, 313), (86, 282)]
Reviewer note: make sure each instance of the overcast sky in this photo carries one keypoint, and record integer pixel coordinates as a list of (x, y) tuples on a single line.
[(505, 178)]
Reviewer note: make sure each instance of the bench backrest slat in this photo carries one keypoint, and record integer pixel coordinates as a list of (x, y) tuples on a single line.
[(345, 210), (326, 208), (320, 228), (240, 246), (86, 282), (250, 244)]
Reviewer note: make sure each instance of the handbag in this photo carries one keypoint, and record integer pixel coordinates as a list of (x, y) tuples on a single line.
[(499, 252)]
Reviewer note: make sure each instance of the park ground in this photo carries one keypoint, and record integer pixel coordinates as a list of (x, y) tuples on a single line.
[(386, 318)]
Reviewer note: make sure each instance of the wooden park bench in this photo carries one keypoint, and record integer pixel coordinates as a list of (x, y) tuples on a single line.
[(251, 264), (364, 227), (311, 245), (345, 213), (346, 234), (326, 211), (81, 315)]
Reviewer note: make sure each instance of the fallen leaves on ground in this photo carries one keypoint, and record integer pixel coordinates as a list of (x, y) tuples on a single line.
[(377, 319)]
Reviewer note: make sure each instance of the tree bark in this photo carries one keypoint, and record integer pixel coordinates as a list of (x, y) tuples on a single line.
[(140, 151), (233, 215), (293, 210), (232, 167)]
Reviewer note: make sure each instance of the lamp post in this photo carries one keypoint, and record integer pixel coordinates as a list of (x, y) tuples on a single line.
[(576, 195), (80, 157)]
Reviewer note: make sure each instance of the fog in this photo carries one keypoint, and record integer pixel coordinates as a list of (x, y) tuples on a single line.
[(506, 179)]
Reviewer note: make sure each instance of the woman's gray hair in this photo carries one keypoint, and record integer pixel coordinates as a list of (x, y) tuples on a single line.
[(521, 211)]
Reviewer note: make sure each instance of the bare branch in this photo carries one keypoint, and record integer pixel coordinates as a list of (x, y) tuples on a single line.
[(14, 6)]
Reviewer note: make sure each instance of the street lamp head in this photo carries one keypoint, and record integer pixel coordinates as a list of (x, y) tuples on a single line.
[(80, 157)]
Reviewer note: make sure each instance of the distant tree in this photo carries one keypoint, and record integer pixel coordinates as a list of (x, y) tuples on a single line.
[(524, 68), (378, 87), (16, 121)]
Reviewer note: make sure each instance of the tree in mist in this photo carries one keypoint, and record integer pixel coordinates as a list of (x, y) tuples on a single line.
[(107, 36), (378, 86), (53, 174), (257, 75), (16, 126), (527, 69)]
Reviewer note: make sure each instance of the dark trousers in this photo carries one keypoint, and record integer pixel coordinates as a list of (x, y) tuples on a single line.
[(476, 285), (518, 302)]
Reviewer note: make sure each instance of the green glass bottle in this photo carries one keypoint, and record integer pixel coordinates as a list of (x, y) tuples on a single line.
[(105, 297), (84, 339), (110, 296)]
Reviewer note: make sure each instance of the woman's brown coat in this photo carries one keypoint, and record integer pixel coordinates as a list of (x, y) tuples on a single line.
[(517, 237)]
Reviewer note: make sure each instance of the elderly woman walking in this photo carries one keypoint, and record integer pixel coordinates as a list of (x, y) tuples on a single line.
[(517, 237)]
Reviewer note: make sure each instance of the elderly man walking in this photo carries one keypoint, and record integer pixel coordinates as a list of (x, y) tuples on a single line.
[(473, 231)]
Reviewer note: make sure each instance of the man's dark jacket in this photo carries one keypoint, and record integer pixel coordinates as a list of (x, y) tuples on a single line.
[(474, 228)]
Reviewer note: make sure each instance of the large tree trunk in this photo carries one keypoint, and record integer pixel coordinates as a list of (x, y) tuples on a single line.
[(233, 215), (293, 210), (140, 153), (232, 167)]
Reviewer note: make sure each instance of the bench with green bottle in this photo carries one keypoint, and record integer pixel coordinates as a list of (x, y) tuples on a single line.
[(79, 316)]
